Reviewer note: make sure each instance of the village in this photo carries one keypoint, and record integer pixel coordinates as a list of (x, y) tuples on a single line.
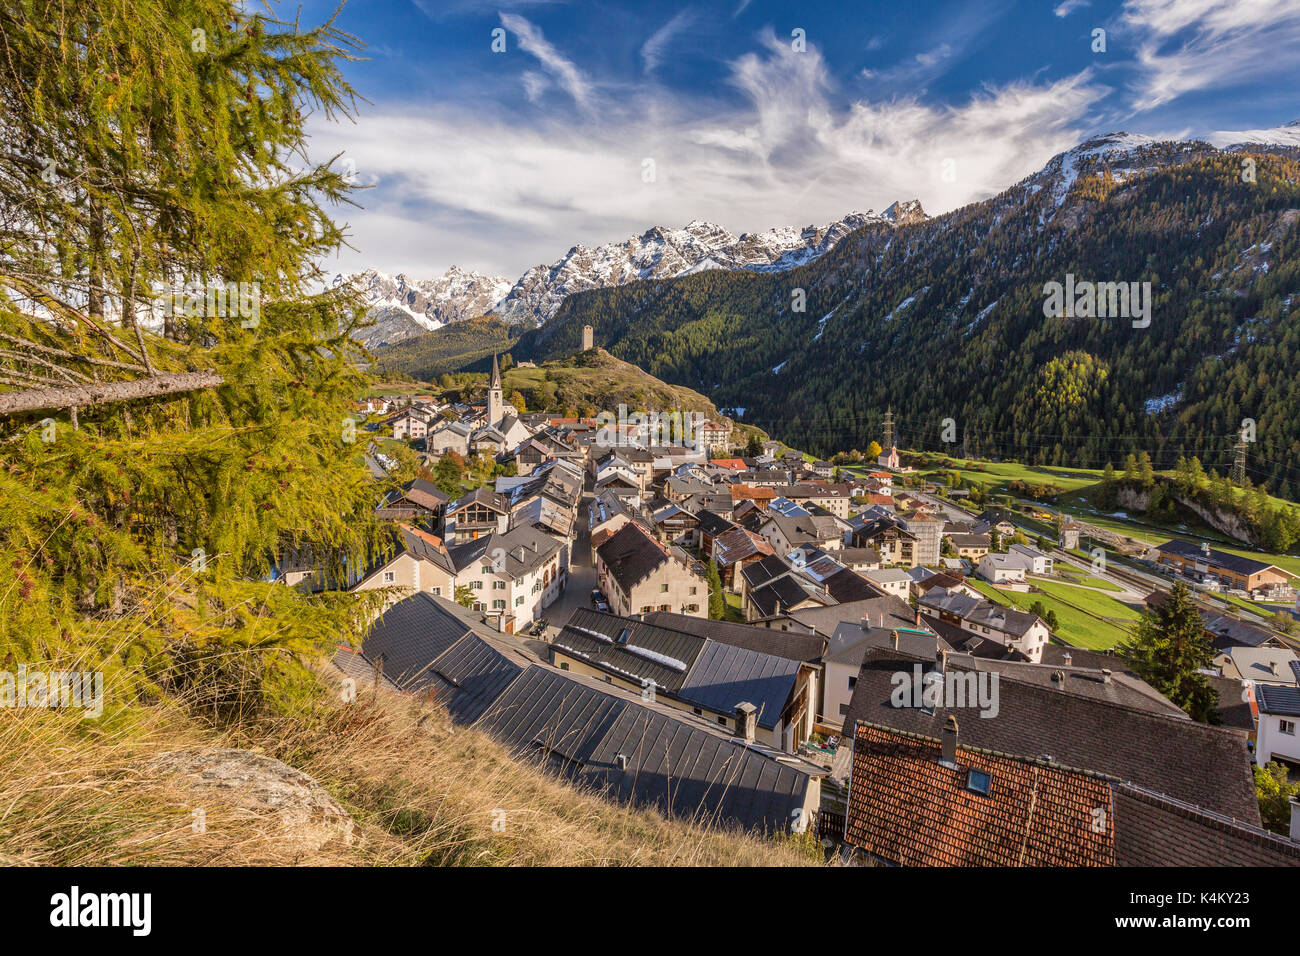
[(789, 645)]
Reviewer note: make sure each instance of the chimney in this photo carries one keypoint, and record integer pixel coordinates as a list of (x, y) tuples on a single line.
[(1295, 820), (950, 742), (943, 660), (918, 617), (893, 639), (621, 760), (1068, 657), (746, 721), (1205, 548), (1105, 675)]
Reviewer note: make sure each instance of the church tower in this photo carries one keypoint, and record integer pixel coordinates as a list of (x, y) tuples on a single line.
[(495, 404)]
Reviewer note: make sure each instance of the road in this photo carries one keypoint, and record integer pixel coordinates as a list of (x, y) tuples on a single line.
[(581, 578)]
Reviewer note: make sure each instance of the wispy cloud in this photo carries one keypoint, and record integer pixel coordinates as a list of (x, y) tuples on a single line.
[(1190, 45), (1069, 6), (566, 73), (485, 192), (652, 50)]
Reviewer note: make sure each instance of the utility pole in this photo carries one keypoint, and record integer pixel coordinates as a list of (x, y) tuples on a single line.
[(1239, 463)]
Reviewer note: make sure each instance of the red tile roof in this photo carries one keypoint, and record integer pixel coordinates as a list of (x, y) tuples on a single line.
[(906, 807)]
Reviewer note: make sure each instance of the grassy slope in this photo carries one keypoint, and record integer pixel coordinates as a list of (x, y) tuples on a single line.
[(1073, 625), (419, 793), (994, 477)]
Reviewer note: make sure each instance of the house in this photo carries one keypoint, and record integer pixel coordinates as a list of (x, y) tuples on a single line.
[(1003, 569), (475, 514), (997, 520), (1231, 570), (789, 531), (638, 574), (927, 534), (834, 498), (419, 563), (782, 595), (1039, 562), (859, 559), (723, 683), (1276, 737), (733, 550), (418, 502), (449, 436), (1259, 665), (890, 539), (409, 424), (632, 748), (893, 581), (1025, 632), (1069, 536), (1160, 751), (934, 800), (674, 525), (513, 575), (713, 435), (845, 652), (970, 546), (823, 469)]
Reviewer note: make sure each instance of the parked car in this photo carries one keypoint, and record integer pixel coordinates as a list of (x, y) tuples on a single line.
[(598, 600)]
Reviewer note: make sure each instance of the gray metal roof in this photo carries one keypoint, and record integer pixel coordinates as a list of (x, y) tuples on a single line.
[(578, 730), (410, 636), (725, 675), (472, 674), (648, 653)]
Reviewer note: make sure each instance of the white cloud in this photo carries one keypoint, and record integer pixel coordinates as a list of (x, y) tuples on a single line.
[(1069, 6), (493, 194), (652, 50), (565, 72), (1188, 45)]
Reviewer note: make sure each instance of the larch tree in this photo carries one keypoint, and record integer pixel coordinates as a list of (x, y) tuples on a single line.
[(174, 385)]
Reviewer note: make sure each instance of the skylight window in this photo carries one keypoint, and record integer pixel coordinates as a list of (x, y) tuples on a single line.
[(977, 781)]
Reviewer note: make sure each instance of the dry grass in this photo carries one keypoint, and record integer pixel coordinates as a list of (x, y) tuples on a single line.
[(420, 790)]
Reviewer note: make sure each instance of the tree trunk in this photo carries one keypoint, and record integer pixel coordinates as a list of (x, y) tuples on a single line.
[(167, 383)]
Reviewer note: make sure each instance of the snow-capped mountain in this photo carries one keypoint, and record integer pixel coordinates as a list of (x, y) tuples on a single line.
[(661, 253), (402, 307)]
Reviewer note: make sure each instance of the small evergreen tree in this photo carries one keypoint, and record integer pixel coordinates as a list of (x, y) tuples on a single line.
[(717, 600), (1170, 650)]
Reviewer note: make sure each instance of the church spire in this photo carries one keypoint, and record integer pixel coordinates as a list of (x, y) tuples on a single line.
[(496, 374)]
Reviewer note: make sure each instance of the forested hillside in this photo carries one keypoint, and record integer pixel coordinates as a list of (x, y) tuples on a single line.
[(945, 320)]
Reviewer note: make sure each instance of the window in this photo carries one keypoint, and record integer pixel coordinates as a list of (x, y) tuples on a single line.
[(519, 600), (663, 587), (498, 605), (564, 665), (694, 590), (697, 711), (389, 576), (977, 781), (853, 682), (1287, 727), (477, 585), (844, 709), (723, 721), (498, 585), (486, 569), (645, 609), (435, 591)]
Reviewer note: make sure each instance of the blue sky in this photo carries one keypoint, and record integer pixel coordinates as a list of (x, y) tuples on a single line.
[(757, 114)]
